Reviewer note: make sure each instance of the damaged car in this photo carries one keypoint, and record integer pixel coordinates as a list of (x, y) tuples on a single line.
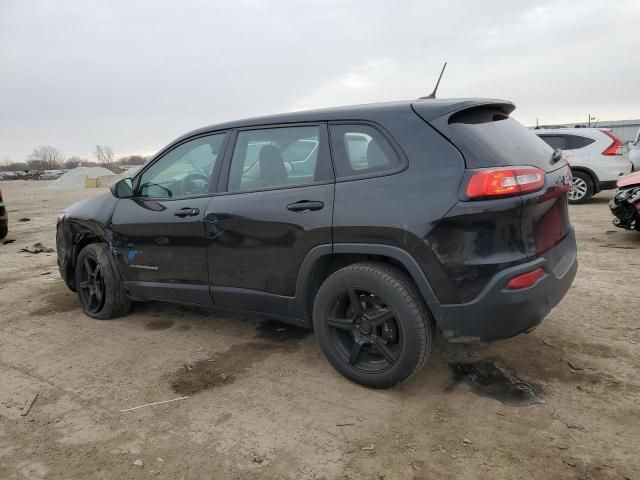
[(625, 205), (375, 225), (4, 219)]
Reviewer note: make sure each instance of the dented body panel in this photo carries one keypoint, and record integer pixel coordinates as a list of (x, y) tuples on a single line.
[(248, 251)]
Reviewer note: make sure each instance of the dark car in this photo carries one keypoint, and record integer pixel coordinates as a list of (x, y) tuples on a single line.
[(625, 205), (375, 225), (4, 220)]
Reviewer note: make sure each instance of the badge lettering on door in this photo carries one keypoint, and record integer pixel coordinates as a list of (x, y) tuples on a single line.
[(144, 267)]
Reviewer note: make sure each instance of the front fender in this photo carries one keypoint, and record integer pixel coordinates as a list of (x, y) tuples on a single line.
[(82, 223)]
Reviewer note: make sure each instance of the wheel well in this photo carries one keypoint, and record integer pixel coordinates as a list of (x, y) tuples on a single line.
[(77, 248), (328, 264)]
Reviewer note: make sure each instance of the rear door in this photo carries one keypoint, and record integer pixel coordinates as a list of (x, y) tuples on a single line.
[(275, 204), (573, 147), (159, 233)]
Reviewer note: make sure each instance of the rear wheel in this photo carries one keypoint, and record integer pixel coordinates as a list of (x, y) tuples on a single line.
[(99, 287), (4, 229), (371, 325), (582, 188)]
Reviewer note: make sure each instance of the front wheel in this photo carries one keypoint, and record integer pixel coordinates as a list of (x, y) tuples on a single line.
[(371, 325), (99, 287)]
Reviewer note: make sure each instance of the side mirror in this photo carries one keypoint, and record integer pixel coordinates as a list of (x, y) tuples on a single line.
[(122, 188)]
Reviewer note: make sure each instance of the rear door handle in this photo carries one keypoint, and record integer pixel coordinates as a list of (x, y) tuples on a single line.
[(305, 206), (187, 212)]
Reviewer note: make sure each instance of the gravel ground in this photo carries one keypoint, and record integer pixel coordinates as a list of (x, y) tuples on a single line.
[(264, 404)]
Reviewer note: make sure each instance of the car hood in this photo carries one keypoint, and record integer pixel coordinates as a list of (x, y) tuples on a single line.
[(629, 180)]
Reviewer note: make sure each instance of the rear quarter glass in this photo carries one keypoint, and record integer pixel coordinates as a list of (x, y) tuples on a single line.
[(488, 137)]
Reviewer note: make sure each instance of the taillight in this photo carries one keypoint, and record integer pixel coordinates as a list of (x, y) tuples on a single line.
[(504, 182), (614, 147), (525, 280)]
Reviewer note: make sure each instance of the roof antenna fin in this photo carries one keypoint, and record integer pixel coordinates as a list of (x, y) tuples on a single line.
[(433, 94)]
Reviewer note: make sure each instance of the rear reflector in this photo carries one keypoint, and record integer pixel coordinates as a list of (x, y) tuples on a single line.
[(614, 148), (503, 182), (525, 280)]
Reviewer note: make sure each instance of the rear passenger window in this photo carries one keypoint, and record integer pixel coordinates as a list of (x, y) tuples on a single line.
[(575, 142), (276, 157), (555, 141), (360, 149)]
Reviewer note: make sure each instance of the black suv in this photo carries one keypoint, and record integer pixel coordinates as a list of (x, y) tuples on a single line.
[(373, 224)]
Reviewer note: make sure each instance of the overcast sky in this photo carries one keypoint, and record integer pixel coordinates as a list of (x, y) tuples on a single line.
[(136, 74)]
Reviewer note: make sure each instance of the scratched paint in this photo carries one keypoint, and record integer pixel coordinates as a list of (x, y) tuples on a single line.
[(130, 256)]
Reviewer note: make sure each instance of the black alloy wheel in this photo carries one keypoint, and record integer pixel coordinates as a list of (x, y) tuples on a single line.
[(372, 325), (91, 285), (98, 283), (363, 331)]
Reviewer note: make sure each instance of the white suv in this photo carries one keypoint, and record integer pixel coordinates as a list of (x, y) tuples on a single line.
[(595, 155)]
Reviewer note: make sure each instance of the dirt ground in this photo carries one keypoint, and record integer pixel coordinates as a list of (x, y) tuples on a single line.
[(263, 403)]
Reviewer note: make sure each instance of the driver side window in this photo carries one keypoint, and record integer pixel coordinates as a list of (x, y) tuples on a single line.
[(184, 171)]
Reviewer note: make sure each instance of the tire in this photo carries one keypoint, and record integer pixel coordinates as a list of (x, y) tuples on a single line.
[(582, 188), (4, 229), (356, 343), (100, 289)]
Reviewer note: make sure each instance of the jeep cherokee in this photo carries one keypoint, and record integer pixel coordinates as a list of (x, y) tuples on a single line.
[(375, 225)]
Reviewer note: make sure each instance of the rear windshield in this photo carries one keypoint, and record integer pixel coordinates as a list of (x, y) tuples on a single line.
[(490, 138)]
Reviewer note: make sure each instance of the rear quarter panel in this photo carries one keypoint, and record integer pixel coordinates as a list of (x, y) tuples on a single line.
[(402, 209), (606, 168)]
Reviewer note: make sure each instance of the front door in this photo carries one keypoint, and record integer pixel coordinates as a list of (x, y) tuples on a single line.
[(159, 234), (277, 206)]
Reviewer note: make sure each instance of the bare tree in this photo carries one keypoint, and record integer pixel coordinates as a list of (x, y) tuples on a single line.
[(104, 154), (73, 162), (132, 160), (13, 167), (45, 158)]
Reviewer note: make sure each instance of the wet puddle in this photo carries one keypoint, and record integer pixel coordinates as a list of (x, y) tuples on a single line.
[(490, 379), (280, 332), (159, 325), (225, 367)]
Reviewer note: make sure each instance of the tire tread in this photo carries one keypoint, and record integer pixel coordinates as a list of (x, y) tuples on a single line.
[(119, 304), (397, 280)]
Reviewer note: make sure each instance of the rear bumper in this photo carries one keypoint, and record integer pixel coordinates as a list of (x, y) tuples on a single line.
[(498, 313)]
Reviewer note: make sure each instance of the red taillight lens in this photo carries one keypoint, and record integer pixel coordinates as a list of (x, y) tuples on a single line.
[(503, 182), (614, 147), (526, 279)]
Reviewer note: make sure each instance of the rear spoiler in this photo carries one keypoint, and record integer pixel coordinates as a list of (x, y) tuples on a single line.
[(432, 109)]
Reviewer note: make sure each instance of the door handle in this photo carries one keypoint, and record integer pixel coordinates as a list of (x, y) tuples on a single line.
[(187, 212), (305, 206)]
